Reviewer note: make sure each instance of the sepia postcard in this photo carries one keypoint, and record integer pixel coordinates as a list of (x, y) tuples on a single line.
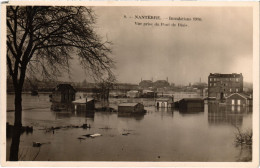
[(136, 84)]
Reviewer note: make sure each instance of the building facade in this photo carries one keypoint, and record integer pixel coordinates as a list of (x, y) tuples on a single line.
[(222, 85), (239, 99), (164, 102)]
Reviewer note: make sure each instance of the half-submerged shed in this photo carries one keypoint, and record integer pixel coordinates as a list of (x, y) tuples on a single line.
[(131, 108), (191, 105), (62, 96), (84, 104), (164, 102)]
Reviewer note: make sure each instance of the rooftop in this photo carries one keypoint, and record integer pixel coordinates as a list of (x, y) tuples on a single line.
[(246, 96), (128, 104), (225, 75), (62, 87), (192, 99), (82, 100)]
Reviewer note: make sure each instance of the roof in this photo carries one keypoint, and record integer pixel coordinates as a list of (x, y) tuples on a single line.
[(191, 99), (149, 81), (244, 95), (128, 104), (225, 75), (82, 100), (62, 87)]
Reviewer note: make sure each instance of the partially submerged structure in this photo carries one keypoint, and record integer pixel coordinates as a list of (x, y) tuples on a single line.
[(131, 108), (84, 104), (62, 96), (191, 105), (164, 102), (239, 99), (149, 94)]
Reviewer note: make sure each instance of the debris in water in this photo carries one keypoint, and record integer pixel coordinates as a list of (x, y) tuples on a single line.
[(87, 135), (106, 128), (92, 135), (37, 144), (95, 135), (126, 133)]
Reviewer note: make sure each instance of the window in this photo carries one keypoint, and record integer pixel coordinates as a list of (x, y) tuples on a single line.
[(233, 102), (238, 102), (210, 79), (237, 79), (236, 90), (230, 90)]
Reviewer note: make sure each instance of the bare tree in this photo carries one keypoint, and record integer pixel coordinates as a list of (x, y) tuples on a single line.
[(106, 85), (42, 40)]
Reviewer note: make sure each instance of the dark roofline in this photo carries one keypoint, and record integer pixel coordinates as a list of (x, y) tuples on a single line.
[(64, 84), (225, 75)]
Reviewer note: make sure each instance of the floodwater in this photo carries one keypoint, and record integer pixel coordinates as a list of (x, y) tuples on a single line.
[(158, 135)]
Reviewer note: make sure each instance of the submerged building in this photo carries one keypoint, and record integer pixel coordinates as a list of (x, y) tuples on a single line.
[(131, 108), (222, 85), (62, 96), (239, 99)]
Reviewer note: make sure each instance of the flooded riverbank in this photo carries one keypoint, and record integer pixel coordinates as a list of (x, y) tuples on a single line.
[(157, 135)]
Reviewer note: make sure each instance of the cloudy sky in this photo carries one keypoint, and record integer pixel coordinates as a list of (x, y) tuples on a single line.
[(220, 43)]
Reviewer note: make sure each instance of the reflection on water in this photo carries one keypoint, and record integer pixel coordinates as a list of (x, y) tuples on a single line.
[(136, 116), (162, 134), (227, 114), (84, 113)]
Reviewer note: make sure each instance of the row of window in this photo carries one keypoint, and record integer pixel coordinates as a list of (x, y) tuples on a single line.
[(224, 79), (232, 90)]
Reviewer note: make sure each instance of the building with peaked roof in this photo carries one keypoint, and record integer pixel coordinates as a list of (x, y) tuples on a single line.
[(62, 96), (239, 99), (222, 85), (63, 93)]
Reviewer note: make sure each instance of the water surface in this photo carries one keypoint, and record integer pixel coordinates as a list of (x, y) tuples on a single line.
[(158, 135)]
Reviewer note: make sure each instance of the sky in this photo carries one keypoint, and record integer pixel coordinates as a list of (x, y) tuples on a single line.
[(222, 42)]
